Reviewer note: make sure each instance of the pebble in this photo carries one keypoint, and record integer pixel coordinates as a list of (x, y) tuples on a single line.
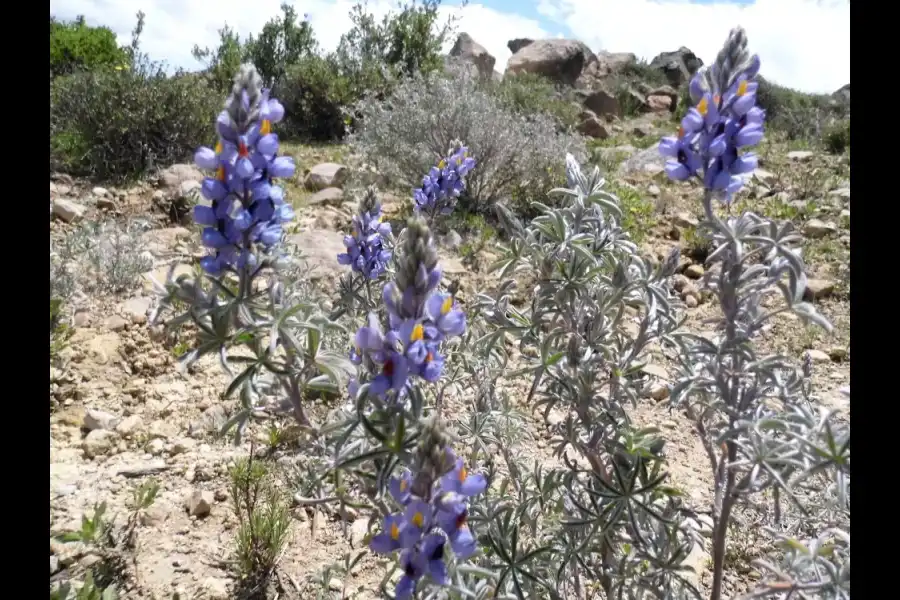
[(98, 442), (199, 503), (694, 271), (98, 419), (818, 356), (691, 301)]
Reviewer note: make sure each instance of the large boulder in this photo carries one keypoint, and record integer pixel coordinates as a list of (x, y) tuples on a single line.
[(613, 62), (469, 51), (601, 102), (562, 61), (517, 44), (678, 66)]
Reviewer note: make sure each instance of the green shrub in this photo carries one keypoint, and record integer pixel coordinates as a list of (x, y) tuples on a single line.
[(837, 137), (74, 46), (314, 94), (115, 124), (530, 93), (798, 115)]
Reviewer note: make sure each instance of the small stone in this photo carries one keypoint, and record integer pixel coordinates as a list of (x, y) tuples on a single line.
[(694, 271), (679, 282), (838, 354), (845, 214), (221, 495), (115, 323), (68, 210), (97, 419), (593, 128), (98, 442), (325, 175), (330, 196), (54, 561), (199, 503), (655, 371), (82, 319), (136, 309), (816, 228), (654, 190), (818, 356), (216, 588), (155, 447), (106, 203), (189, 187), (686, 220), (128, 426), (659, 391), (358, 532), (335, 584), (817, 289), (211, 421), (691, 301), (100, 192), (183, 446), (800, 155), (843, 193), (453, 239)]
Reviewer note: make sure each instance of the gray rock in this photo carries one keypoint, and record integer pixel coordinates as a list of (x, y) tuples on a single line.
[(470, 51), (592, 127), (100, 192), (199, 503), (211, 421), (98, 442), (326, 175), (816, 228), (686, 220), (800, 155), (694, 271), (602, 103), (517, 44), (562, 61), (98, 419), (115, 323), (331, 196), (172, 177), (68, 210), (136, 309), (817, 289), (818, 356), (678, 66), (646, 160)]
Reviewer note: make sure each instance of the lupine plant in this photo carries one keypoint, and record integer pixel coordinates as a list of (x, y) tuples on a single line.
[(238, 299), (610, 525), (753, 413)]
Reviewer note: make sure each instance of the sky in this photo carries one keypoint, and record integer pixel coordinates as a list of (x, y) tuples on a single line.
[(804, 44)]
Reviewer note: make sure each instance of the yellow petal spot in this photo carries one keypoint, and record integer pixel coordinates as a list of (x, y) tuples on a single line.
[(418, 333), (447, 305), (220, 173), (380, 218), (463, 474), (742, 88), (442, 164), (418, 519), (703, 106), (395, 532), (265, 127), (219, 147)]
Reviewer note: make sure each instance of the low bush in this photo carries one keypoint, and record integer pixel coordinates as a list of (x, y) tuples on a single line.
[(117, 124), (518, 157)]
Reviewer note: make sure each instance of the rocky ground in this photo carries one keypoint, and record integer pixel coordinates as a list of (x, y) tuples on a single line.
[(122, 413)]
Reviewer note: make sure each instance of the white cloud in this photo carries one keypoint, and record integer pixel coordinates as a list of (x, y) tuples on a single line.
[(804, 44), (172, 27)]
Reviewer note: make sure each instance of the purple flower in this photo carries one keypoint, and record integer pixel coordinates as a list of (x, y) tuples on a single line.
[(246, 210), (400, 487), (460, 481), (366, 253), (444, 183), (713, 133), (389, 540)]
